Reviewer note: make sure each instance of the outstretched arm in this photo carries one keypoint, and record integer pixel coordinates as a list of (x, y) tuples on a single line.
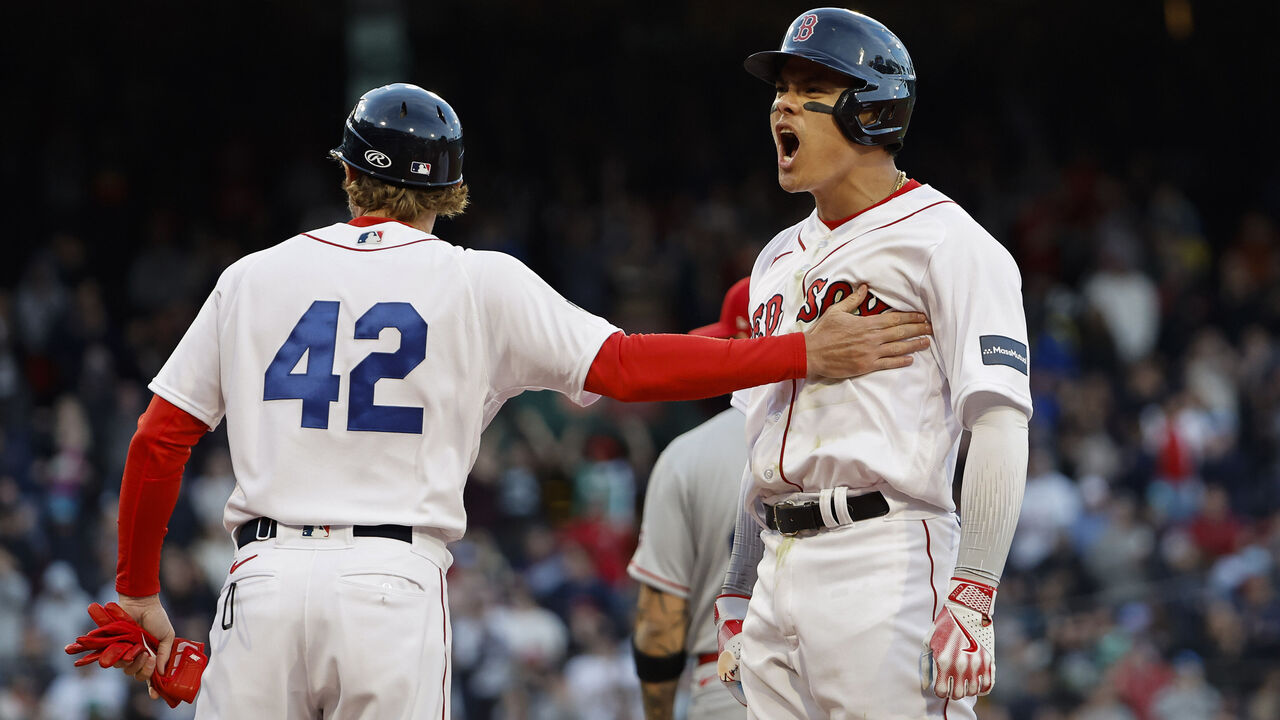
[(684, 367)]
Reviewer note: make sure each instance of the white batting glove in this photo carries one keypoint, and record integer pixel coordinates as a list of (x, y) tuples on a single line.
[(963, 643), (730, 611)]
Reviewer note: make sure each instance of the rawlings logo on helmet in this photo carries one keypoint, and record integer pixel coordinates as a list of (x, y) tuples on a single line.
[(377, 158)]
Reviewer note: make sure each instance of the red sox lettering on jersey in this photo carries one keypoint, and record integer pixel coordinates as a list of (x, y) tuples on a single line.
[(819, 297)]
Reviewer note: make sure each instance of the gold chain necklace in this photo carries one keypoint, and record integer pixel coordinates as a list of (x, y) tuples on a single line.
[(897, 185)]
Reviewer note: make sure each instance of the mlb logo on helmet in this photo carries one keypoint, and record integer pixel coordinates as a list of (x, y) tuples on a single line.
[(420, 168)]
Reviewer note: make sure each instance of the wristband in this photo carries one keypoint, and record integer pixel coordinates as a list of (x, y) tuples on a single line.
[(657, 668)]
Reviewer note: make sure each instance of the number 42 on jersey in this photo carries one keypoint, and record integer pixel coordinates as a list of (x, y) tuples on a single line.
[(316, 336)]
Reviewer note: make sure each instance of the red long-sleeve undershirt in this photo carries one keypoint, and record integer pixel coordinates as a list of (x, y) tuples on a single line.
[(149, 490), (647, 368), (627, 367)]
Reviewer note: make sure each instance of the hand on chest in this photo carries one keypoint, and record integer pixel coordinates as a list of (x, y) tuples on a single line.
[(802, 283)]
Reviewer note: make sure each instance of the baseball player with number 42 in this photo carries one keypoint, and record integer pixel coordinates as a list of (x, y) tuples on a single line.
[(356, 366), (853, 590)]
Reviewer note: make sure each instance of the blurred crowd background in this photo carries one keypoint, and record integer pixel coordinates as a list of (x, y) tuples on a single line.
[(1119, 150)]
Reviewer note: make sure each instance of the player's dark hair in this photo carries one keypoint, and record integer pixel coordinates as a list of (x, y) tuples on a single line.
[(406, 204)]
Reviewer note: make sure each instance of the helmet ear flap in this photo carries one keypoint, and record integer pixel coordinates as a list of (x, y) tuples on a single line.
[(847, 109), (891, 117)]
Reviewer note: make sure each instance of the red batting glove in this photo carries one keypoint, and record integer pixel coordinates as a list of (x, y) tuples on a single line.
[(119, 637), (729, 612), (116, 638), (963, 644), (181, 682)]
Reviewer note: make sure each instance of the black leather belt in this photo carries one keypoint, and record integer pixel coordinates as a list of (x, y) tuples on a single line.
[(790, 517), (265, 528)]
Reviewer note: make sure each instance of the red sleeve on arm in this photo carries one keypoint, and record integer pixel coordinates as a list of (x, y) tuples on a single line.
[(650, 368), (149, 490)]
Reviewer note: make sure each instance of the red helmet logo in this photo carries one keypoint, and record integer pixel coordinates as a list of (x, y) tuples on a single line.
[(805, 31)]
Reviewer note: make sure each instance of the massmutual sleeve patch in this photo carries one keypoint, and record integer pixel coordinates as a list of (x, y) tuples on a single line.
[(1000, 350)]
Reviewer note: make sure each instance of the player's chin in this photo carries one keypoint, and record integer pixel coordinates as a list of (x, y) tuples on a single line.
[(790, 181)]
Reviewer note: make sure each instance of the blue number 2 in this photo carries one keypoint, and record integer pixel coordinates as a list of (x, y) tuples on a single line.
[(315, 336), (362, 414)]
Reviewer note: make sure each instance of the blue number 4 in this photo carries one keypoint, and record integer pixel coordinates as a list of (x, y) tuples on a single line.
[(315, 336)]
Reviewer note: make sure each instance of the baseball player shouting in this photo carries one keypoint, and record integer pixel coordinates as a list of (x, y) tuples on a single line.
[(689, 510), (869, 590), (357, 365)]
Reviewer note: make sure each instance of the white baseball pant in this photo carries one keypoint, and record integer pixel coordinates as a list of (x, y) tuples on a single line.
[(339, 627), (838, 619)]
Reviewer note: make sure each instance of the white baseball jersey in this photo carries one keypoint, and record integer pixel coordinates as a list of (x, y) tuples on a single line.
[(359, 363), (897, 429), (690, 508)]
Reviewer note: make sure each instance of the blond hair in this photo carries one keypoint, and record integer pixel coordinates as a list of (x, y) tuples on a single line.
[(367, 194)]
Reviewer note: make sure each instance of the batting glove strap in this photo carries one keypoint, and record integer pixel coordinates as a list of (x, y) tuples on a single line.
[(963, 642), (729, 612)]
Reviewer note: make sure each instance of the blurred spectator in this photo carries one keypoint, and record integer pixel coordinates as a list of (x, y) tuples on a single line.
[(19, 698), (1187, 697), (532, 635), (1118, 557), (1215, 529), (583, 585), (85, 693), (1260, 613), (545, 568), (1265, 704), (1140, 675), (60, 610), (1176, 434), (15, 594), (1123, 296), (1051, 505), (1103, 703), (601, 679)]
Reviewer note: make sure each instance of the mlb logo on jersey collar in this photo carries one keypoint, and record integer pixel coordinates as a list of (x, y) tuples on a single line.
[(373, 236), (315, 531)]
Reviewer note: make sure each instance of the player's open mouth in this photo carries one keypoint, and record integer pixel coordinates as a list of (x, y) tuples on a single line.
[(788, 146)]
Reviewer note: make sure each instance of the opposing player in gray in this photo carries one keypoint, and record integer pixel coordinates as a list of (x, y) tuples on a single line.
[(689, 511)]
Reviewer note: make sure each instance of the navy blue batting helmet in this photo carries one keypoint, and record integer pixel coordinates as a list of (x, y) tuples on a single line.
[(403, 135), (884, 80)]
